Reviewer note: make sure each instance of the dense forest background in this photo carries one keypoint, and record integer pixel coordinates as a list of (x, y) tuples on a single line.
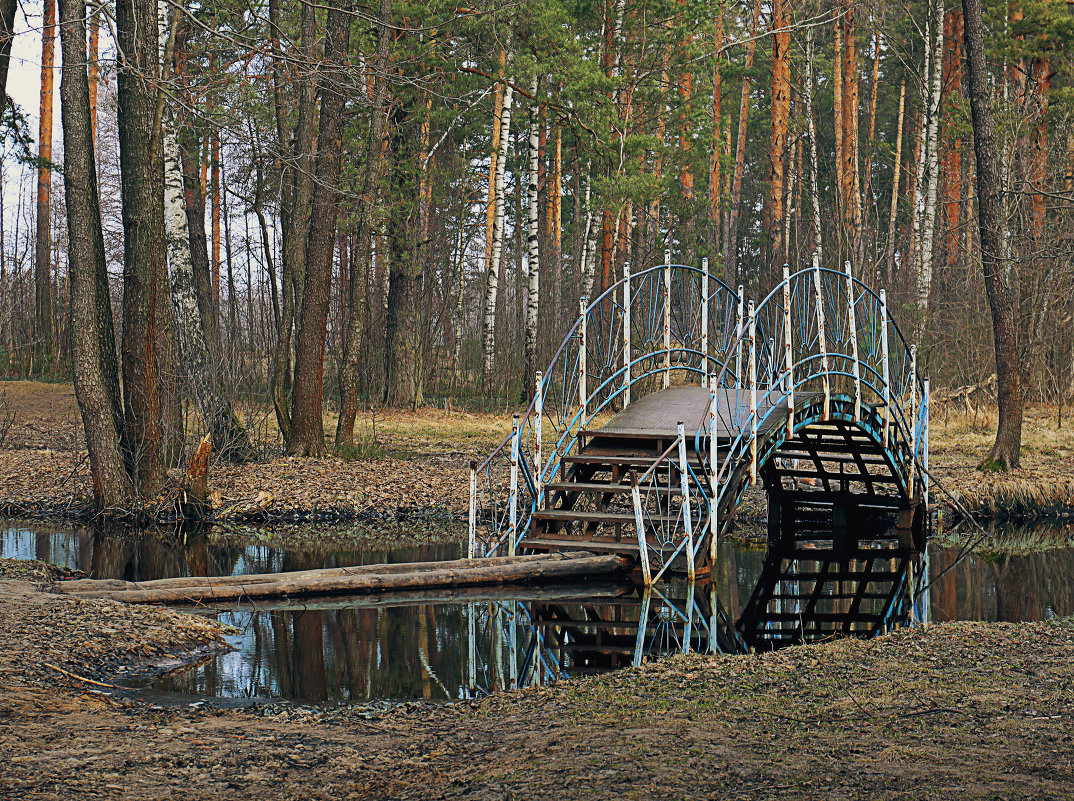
[(403, 203)]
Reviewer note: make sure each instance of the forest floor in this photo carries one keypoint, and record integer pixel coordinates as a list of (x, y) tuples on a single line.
[(414, 465), (964, 710)]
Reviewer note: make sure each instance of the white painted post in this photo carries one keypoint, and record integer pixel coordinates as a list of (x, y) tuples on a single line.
[(687, 513), (714, 478), (667, 319), (822, 337), (753, 391), (853, 320), (913, 415), (513, 528), (512, 647), (639, 524), (538, 426), (583, 395), (788, 351), (925, 443), (885, 358), (471, 543), (471, 636), (626, 334), (688, 628), (704, 321), (643, 625), (739, 332)]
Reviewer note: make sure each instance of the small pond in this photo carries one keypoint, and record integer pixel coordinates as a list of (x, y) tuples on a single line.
[(445, 645)]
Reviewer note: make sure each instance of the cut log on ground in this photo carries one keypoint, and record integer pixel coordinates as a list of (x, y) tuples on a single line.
[(361, 579)]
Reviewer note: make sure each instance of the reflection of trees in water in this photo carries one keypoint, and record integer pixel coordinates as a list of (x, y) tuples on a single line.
[(1004, 587)]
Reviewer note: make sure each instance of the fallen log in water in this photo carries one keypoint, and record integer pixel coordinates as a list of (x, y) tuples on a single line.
[(359, 579)]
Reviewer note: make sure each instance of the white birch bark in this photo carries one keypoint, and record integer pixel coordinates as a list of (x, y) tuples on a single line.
[(814, 185), (533, 293), (493, 285), (589, 244), (228, 436), (931, 160), (893, 217)]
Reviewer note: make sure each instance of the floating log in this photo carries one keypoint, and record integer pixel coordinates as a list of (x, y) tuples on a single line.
[(359, 579)]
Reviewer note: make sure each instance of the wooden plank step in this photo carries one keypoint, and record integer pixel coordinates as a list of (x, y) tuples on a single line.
[(599, 486), (611, 518), (596, 546)]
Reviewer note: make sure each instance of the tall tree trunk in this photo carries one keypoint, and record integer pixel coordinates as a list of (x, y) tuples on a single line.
[(229, 439), (96, 371), (494, 154), (895, 179), (296, 191), (366, 216), (811, 129), (716, 145), (780, 115), (931, 158), (533, 248), (403, 386), (94, 53), (951, 151), (731, 248), (143, 242), (493, 283), (43, 242), (1006, 449), (307, 428)]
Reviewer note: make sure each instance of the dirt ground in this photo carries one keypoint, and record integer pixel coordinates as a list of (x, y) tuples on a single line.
[(417, 463), (955, 711)]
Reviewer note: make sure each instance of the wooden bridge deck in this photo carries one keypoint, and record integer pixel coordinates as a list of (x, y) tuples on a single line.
[(656, 416)]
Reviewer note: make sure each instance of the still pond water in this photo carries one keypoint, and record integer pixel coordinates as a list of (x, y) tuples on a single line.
[(444, 645)]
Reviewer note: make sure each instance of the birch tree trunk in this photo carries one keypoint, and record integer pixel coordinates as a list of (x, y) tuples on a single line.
[(93, 345), (493, 285), (533, 289), (931, 160), (814, 182)]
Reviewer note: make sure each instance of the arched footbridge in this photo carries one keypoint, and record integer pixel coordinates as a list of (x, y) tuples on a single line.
[(672, 394)]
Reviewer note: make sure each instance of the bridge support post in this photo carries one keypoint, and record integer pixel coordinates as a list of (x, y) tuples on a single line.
[(714, 476), (912, 420), (538, 426), (626, 334), (852, 319), (885, 358), (667, 319), (687, 513), (705, 321), (740, 332), (753, 392), (822, 337), (471, 542), (639, 524), (788, 351), (513, 511), (583, 346)]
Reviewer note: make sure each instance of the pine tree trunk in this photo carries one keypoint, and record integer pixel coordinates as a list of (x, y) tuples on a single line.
[(94, 52), (1006, 449), (43, 241), (895, 179), (811, 128), (307, 428), (368, 206), (731, 246), (780, 115), (715, 200), (143, 243), (96, 371)]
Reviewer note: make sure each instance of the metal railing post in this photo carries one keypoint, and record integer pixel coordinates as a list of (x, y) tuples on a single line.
[(885, 358), (639, 524), (538, 430), (667, 319), (513, 528), (583, 347), (626, 335), (752, 323), (852, 319), (687, 513), (714, 474), (740, 322), (925, 442), (704, 321), (822, 337), (471, 542), (913, 417), (788, 350)]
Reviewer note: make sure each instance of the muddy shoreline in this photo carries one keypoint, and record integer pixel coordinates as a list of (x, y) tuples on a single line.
[(952, 711)]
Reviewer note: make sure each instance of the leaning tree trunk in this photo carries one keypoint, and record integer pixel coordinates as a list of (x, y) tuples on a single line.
[(93, 343), (143, 241), (1005, 451), (228, 436), (367, 210), (307, 428)]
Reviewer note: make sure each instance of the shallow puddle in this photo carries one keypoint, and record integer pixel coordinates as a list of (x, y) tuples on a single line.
[(447, 645)]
